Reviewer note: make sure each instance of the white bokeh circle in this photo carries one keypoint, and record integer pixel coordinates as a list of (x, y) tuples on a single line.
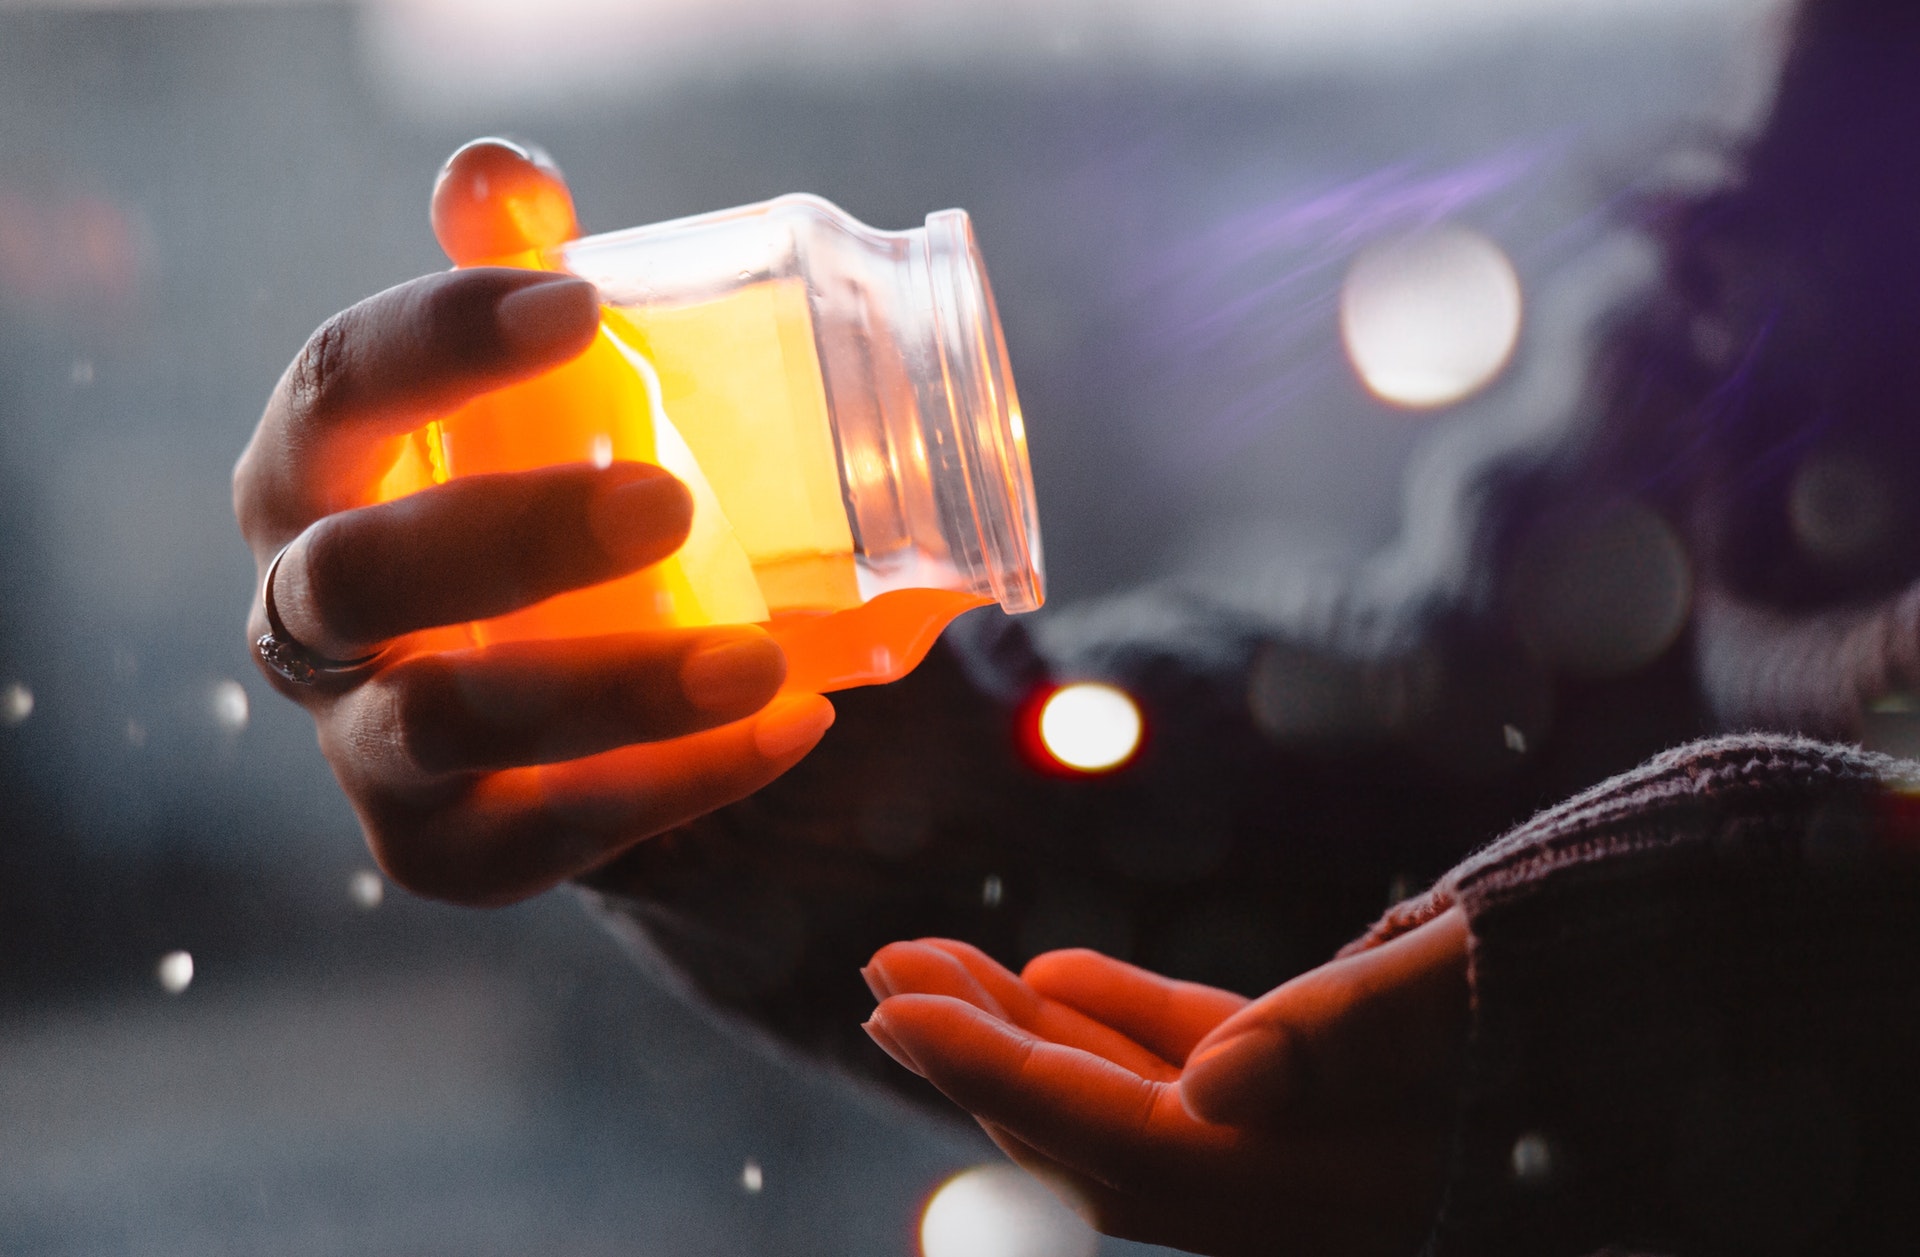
[(1430, 318), (1090, 727), (1001, 1211)]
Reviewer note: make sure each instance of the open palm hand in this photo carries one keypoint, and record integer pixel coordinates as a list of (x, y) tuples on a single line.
[(1312, 1120)]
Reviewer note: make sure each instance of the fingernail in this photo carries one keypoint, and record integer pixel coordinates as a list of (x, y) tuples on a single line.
[(1238, 1081), (734, 675), (793, 724), (543, 318), (877, 1031), (876, 980), (641, 521)]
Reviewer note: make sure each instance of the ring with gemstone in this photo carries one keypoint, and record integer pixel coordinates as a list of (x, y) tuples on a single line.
[(283, 653)]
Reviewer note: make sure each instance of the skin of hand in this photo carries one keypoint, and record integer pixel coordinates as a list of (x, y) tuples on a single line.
[(485, 775), (1313, 1120)]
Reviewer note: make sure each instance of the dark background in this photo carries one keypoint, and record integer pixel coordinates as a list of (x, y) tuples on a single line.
[(185, 193)]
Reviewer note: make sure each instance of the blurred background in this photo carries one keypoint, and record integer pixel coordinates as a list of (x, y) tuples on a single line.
[(220, 1032)]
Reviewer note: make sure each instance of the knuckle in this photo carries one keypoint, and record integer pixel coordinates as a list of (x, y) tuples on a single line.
[(421, 835), (425, 702), (429, 839), (317, 377), (1140, 1121)]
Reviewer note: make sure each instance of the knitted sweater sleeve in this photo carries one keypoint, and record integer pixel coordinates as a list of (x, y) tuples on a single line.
[(1696, 1012)]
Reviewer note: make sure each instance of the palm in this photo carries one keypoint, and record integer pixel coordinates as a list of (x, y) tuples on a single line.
[(1074, 1068)]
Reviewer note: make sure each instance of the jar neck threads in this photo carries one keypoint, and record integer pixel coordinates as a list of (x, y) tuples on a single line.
[(936, 474)]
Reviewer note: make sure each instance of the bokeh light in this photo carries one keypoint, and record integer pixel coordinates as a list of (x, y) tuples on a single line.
[(1430, 318), (64, 250), (1000, 1211), (1891, 726), (752, 1177), (228, 702), (1841, 508), (1532, 1159), (1090, 727), (367, 889), (1605, 594), (16, 704), (175, 972)]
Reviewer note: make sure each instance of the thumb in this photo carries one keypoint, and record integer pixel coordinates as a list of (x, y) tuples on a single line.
[(1378, 1030)]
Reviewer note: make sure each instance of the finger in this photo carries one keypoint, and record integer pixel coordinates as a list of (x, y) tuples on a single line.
[(1164, 1015), (1075, 1107), (512, 834), (1153, 1172), (940, 966), (524, 703), (473, 548), (917, 967), (1100, 1206), (386, 366), (1371, 1032)]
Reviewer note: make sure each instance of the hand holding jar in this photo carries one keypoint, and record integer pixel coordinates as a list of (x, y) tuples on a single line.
[(517, 661)]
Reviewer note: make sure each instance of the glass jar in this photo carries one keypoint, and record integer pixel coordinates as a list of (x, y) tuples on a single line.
[(837, 398)]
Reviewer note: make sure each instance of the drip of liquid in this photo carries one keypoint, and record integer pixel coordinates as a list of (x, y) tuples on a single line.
[(727, 395), (882, 640)]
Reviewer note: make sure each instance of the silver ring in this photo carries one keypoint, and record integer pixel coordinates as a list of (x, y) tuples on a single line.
[(283, 653)]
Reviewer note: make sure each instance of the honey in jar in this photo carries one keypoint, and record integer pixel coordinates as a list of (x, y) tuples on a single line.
[(837, 399)]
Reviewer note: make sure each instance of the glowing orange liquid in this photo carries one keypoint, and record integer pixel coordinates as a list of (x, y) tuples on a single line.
[(881, 641), (742, 419)]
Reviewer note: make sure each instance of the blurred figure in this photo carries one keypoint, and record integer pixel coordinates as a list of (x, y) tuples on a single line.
[(1662, 1035), (1677, 1013)]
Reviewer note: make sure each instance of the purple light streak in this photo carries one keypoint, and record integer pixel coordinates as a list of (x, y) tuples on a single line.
[(1249, 303)]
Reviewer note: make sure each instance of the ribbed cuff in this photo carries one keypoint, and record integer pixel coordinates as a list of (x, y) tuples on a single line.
[(1696, 1015)]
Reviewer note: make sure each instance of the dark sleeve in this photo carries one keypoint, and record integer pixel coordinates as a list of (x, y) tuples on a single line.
[(1696, 1013), (1263, 821)]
